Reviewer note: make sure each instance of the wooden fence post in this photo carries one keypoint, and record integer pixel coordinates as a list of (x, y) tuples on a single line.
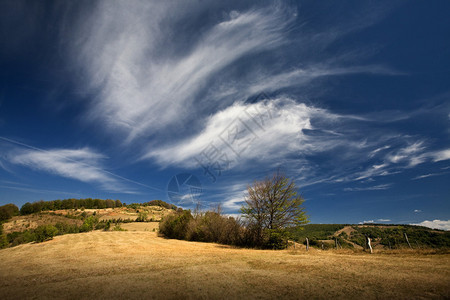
[(406, 238), (307, 244), (322, 245)]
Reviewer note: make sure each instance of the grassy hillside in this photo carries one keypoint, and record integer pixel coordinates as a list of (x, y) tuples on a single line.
[(383, 236), (133, 264), (43, 225), (315, 231)]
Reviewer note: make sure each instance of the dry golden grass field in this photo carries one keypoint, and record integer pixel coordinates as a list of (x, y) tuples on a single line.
[(138, 264)]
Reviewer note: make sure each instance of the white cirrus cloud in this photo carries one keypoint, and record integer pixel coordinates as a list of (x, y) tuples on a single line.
[(79, 164), (260, 131), (435, 224), (379, 187), (441, 155), (144, 86)]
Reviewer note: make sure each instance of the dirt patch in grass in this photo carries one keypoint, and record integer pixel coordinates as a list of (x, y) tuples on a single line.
[(141, 226)]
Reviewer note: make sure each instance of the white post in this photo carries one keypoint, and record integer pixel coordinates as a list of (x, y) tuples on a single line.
[(370, 246), (307, 244)]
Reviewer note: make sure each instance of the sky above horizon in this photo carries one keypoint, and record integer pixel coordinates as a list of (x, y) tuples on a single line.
[(190, 101)]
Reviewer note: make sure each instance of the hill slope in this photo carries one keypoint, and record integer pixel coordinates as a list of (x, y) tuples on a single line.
[(383, 236), (140, 264)]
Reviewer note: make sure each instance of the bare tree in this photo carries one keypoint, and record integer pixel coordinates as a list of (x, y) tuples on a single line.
[(273, 204)]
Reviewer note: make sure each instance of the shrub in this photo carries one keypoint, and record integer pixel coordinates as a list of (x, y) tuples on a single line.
[(89, 224), (102, 225), (275, 239), (64, 228), (107, 226), (45, 232), (143, 215), (17, 238), (176, 225), (209, 226), (3, 241), (118, 228)]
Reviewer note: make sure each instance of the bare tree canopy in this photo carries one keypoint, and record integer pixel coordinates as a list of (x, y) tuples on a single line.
[(273, 204)]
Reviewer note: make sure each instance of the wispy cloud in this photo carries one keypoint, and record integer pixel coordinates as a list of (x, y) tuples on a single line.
[(429, 175), (79, 164), (369, 188), (170, 95), (441, 155), (248, 131), (39, 191), (142, 88)]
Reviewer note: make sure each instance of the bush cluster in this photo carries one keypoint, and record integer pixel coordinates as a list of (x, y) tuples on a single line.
[(211, 226), (48, 231), (40, 234)]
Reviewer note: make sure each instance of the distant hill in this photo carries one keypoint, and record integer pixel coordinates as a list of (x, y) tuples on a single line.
[(43, 220), (383, 236)]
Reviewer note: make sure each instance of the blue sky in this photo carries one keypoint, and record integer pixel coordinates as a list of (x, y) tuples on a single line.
[(121, 99)]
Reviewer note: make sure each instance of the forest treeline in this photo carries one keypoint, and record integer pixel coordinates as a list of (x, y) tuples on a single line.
[(88, 203), (10, 210)]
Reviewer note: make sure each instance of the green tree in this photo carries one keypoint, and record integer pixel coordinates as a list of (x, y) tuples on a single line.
[(45, 232), (26, 209), (272, 205), (110, 203), (89, 224), (8, 211)]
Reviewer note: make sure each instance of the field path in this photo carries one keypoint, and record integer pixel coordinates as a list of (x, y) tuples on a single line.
[(138, 264)]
